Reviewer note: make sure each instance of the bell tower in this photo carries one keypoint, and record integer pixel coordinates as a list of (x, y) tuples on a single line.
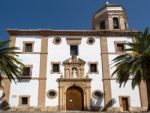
[(110, 17)]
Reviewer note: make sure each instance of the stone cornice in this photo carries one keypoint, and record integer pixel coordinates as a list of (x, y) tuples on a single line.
[(17, 32)]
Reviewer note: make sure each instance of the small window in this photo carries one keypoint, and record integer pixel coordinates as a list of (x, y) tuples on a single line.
[(24, 100), (97, 94), (90, 41), (28, 47), (57, 40), (120, 47), (26, 72), (102, 25), (73, 50), (116, 23), (93, 68), (51, 94), (56, 68)]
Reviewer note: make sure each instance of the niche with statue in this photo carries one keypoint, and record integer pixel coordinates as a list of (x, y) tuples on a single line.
[(74, 68)]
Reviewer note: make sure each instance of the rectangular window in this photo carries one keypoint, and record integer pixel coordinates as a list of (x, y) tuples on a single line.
[(120, 47), (24, 100), (73, 50), (26, 72), (28, 47), (93, 68), (56, 68)]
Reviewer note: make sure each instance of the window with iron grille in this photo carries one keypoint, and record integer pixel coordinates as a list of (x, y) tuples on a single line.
[(28, 47), (56, 68), (26, 72), (93, 68), (73, 50)]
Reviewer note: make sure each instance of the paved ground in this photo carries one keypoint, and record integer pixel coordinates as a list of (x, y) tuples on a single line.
[(69, 112)]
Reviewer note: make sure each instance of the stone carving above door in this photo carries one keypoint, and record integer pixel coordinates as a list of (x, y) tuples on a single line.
[(74, 68)]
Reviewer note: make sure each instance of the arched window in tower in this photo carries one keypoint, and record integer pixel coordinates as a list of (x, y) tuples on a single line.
[(116, 23), (125, 24), (102, 25)]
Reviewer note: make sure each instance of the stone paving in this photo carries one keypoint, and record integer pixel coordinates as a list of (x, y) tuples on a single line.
[(67, 112)]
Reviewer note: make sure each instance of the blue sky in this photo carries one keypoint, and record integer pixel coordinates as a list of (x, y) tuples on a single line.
[(65, 14)]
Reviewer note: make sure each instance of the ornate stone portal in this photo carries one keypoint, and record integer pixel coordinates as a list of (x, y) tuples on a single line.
[(74, 76)]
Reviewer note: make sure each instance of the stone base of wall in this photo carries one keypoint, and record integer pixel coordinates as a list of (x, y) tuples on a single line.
[(36, 109), (55, 108), (132, 109)]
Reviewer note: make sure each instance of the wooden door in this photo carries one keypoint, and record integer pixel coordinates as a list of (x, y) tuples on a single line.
[(125, 104), (74, 99)]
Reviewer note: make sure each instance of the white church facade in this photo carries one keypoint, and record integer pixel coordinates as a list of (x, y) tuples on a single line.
[(71, 69)]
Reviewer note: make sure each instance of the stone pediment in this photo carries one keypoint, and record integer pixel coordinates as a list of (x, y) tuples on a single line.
[(74, 60)]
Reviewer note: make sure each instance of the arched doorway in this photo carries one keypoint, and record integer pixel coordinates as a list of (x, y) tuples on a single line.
[(74, 98)]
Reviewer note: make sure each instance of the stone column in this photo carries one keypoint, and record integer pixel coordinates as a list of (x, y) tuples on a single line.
[(106, 73), (7, 83), (43, 72), (88, 97), (143, 95), (110, 23), (61, 106)]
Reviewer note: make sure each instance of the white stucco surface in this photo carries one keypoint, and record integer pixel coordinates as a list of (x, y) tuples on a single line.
[(24, 88), (31, 59), (125, 91), (61, 52), (35, 39), (116, 90), (111, 42)]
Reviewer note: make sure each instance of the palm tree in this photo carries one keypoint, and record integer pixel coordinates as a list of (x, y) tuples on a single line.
[(135, 63), (10, 66)]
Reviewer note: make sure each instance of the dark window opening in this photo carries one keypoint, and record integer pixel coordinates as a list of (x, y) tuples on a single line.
[(102, 25), (56, 68), (26, 71), (28, 47), (116, 23), (74, 50), (24, 100), (120, 47), (52, 93), (93, 68)]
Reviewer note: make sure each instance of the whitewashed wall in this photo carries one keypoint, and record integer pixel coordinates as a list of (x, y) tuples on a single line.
[(35, 39), (27, 88), (123, 91), (61, 52)]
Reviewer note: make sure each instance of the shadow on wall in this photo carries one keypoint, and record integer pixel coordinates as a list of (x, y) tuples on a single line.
[(109, 104), (96, 104), (4, 104)]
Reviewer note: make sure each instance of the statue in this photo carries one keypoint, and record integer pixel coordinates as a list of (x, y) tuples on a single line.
[(74, 72)]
